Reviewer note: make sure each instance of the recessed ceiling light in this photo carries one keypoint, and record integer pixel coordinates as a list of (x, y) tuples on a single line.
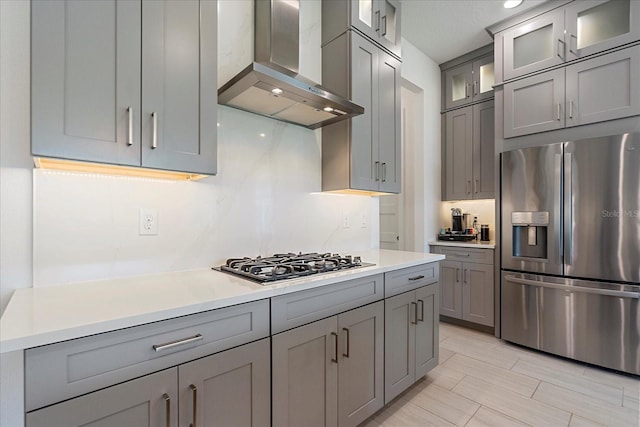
[(328, 109), (276, 91), (510, 4)]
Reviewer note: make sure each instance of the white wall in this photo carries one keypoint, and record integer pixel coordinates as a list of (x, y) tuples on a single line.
[(84, 227), (423, 74)]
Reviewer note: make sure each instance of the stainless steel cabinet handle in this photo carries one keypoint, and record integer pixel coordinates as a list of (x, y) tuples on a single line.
[(564, 49), (558, 112), (457, 275), (571, 109), (466, 90), (384, 25), (460, 254), (154, 135), (166, 346), (416, 277), (475, 186), (421, 318), (475, 88), (335, 348), (348, 351), (384, 172), (377, 13), (414, 313), (194, 393), (571, 49), (464, 275), (468, 186), (569, 288), (376, 166), (167, 405), (130, 126)]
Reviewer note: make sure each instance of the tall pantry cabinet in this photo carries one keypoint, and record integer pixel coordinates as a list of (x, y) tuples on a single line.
[(362, 153), (128, 83)]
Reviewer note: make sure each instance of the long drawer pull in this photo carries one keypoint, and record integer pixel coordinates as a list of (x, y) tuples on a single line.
[(160, 347), (167, 403), (460, 254), (421, 318), (414, 313), (194, 392), (416, 277), (335, 348)]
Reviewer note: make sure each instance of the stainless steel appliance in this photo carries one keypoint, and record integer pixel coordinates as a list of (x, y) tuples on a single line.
[(570, 218), (289, 266)]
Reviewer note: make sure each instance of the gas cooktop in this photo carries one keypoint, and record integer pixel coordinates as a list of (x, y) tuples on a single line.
[(289, 265)]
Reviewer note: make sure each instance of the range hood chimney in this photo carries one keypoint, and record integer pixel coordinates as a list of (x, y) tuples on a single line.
[(271, 85)]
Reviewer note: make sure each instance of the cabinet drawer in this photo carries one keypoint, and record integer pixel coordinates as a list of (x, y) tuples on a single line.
[(67, 369), (482, 256), (298, 308), (407, 279)]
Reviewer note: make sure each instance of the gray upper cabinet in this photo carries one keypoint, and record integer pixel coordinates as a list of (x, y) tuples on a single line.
[(362, 153), (596, 25), (379, 20), (469, 153), (469, 82), (231, 388), (579, 29), (598, 89), (150, 401), (126, 82), (534, 45), (85, 80)]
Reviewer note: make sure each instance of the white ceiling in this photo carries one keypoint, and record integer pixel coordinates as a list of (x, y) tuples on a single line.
[(446, 29)]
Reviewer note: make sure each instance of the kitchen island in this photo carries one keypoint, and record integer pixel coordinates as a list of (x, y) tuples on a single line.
[(160, 340)]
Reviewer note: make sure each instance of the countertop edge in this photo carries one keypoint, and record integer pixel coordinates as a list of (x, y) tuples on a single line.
[(240, 291)]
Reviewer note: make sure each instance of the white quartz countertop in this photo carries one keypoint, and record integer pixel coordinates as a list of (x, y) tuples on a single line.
[(472, 244), (39, 316)]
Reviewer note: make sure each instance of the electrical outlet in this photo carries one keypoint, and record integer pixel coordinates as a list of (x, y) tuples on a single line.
[(363, 221), (148, 222), (346, 222)]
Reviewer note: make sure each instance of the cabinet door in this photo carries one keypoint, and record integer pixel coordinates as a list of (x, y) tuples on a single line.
[(458, 153), (85, 80), (483, 78), (305, 375), (399, 344), (596, 25), (428, 300), (149, 401), (361, 364), (604, 88), (179, 85), (457, 86), (477, 293), (483, 151), (451, 289), (534, 104), (365, 169), (389, 123), (534, 45), (390, 19), (231, 388), (365, 16)]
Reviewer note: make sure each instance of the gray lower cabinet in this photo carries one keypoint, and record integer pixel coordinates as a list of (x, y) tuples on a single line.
[(329, 372), (231, 388), (411, 338), (590, 91), (469, 160), (467, 284), (150, 401), (362, 153), (125, 82)]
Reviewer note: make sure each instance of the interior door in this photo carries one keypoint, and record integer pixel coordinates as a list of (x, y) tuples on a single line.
[(602, 208)]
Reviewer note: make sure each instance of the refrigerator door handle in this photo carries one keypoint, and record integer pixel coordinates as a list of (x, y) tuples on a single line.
[(568, 210), (584, 289), (557, 217)]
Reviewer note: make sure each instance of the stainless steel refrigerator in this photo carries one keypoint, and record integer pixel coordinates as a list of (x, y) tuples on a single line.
[(570, 218)]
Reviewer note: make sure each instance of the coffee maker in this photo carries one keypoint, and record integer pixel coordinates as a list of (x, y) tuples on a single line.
[(457, 220)]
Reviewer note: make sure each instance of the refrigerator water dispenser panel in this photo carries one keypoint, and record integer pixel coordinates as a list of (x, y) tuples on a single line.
[(529, 231)]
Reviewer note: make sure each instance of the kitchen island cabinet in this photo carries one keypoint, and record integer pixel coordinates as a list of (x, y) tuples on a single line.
[(128, 83)]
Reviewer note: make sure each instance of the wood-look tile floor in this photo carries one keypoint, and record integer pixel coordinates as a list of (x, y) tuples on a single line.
[(483, 381)]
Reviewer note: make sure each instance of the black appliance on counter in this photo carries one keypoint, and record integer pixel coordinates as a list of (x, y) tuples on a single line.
[(289, 265)]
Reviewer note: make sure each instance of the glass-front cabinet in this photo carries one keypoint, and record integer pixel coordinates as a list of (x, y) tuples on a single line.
[(378, 19), (469, 82), (596, 25), (576, 30)]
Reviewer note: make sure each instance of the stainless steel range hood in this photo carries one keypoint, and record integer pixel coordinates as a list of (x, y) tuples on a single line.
[(271, 85)]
